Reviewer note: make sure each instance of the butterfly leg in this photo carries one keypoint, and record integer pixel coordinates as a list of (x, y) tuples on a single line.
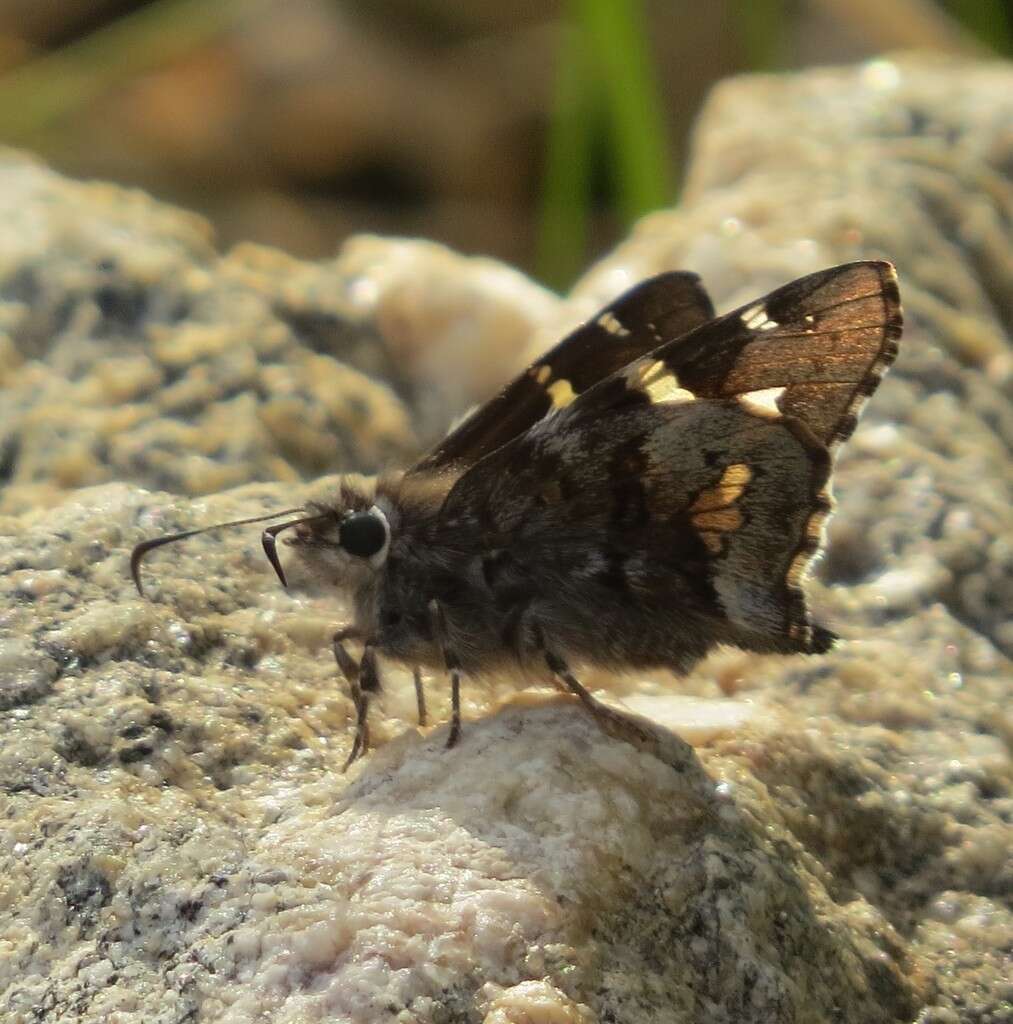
[(561, 671), (611, 722), (438, 621), (420, 695), (363, 681)]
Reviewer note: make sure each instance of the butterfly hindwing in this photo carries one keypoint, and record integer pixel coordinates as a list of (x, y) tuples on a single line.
[(681, 522), (646, 316)]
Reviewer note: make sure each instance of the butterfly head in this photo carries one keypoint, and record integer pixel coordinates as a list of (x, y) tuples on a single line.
[(345, 540), (339, 543)]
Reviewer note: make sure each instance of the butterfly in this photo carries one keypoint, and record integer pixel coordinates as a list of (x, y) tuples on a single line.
[(655, 485)]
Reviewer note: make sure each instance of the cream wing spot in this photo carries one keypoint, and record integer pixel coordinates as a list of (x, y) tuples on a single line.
[(763, 403), (801, 563), (756, 318), (646, 373), (658, 382), (667, 390), (609, 322), (561, 392), (798, 569)]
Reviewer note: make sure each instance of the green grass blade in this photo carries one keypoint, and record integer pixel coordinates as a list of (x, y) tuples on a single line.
[(624, 65), (566, 187)]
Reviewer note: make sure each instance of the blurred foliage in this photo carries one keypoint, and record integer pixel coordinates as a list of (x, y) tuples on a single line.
[(988, 20), (565, 200), (607, 89), (536, 132), (606, 86), (763, 30), (40, 93)]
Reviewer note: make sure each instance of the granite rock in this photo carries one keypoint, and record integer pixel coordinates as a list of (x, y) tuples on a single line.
[(179, 842), (131, 350)]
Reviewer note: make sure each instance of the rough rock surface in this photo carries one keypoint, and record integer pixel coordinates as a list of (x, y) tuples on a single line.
[(178, 843), (131, 350)]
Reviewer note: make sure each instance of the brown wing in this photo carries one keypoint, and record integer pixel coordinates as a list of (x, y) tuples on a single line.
[(815, 350), (649, 534), (646, 316), (710, 454)]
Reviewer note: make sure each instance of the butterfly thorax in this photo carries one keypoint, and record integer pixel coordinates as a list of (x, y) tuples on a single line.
[(509, 588), (430, 560)]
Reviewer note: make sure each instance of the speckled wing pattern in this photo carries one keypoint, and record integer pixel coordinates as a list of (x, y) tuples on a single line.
[(692, 483), (655, 311)]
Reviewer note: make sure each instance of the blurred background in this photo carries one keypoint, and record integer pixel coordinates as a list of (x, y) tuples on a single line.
[(529, 130)]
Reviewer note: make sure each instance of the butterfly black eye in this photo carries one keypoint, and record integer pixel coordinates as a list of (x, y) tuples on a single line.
[(363, 534)]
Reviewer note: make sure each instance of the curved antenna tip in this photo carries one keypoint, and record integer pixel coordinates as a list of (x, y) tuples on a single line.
[(270, 545), (140, 550), (135, 567)]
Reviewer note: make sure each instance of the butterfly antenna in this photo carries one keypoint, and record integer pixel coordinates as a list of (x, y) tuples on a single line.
[(269, 539), (140, 550)]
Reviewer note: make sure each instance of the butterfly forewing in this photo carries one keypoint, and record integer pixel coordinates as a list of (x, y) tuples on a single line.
[(814, 349), (655, 311)]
